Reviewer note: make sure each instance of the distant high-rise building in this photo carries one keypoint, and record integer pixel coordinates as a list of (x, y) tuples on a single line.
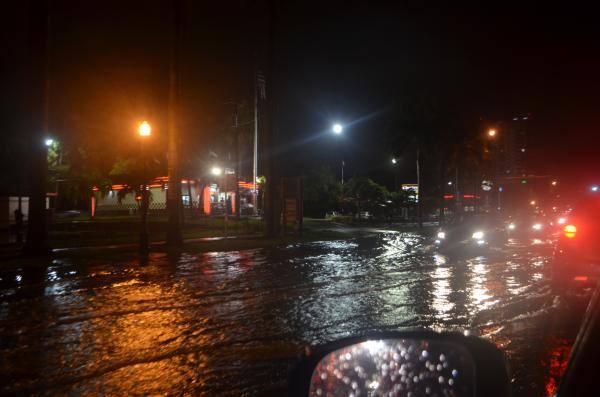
[(512, 161)]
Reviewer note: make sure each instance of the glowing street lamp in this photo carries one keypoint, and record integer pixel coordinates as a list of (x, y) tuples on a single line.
[(554, 183), (394, 161), (337, 128), (145, 129), (49, 142), (492, 133), (216, 171)]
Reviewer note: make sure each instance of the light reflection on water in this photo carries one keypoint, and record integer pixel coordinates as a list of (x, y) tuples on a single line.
[(479, 295), (199, 323), (441, 288)]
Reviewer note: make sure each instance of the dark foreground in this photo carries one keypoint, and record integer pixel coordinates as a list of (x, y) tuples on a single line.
[(231, 323)]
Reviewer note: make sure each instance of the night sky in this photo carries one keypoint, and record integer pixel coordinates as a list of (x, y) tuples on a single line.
[(336, 61)]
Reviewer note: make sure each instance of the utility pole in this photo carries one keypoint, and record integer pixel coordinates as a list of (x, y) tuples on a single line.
[(272, 210), (174, 206), (255, 151), (457, 200), (37, 232), (419, 193), (226, 214), (238, 166)]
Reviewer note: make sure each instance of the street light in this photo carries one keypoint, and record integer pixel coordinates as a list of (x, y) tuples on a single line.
[(492, 133), (554, 183), (394, 164), (145, 129), (49, 141), (218, 171), (337, 128)]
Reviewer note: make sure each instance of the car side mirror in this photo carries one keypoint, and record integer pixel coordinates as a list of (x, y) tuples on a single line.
[(418, 363)]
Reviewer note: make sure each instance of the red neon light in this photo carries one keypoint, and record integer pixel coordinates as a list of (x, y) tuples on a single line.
[(467, 196)]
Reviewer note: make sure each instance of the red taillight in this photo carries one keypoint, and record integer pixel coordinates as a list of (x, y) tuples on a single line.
[(570, 231)]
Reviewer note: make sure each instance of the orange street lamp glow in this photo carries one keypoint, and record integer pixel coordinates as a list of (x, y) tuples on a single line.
[(145, 129), (532, 202), (492, 133)]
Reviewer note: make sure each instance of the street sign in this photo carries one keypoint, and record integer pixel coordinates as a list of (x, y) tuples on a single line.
[(291, 209), (407, 187), (291, 198)]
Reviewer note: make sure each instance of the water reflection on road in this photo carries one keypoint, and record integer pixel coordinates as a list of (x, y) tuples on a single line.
[(231, 323)]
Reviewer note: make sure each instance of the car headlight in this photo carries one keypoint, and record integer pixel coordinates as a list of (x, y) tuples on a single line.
[(537, 226), (441, 235), (478, 235), (512, 226)]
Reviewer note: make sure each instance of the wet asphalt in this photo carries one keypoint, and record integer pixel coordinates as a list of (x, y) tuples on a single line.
[(232, 323)]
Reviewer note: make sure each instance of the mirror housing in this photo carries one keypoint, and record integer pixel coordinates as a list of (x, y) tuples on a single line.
[(490, 367)]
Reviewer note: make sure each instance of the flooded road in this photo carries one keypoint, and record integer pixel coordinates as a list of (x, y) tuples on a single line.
[(231, 323)]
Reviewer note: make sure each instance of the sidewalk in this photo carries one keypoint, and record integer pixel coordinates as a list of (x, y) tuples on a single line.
[(134, 246)]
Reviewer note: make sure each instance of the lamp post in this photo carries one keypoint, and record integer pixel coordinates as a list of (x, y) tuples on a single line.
[(395, 165), (218, 171), (144, 131), (337, 129), (492, 135)]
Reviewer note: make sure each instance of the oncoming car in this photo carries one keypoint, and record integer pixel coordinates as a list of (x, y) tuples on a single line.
[(474, 232), (529, 227)]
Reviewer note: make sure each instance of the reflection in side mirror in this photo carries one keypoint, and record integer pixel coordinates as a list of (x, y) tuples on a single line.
[(411, 363), (392, 367)]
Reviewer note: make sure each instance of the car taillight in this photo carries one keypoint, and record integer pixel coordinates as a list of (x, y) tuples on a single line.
[(570, 231)]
